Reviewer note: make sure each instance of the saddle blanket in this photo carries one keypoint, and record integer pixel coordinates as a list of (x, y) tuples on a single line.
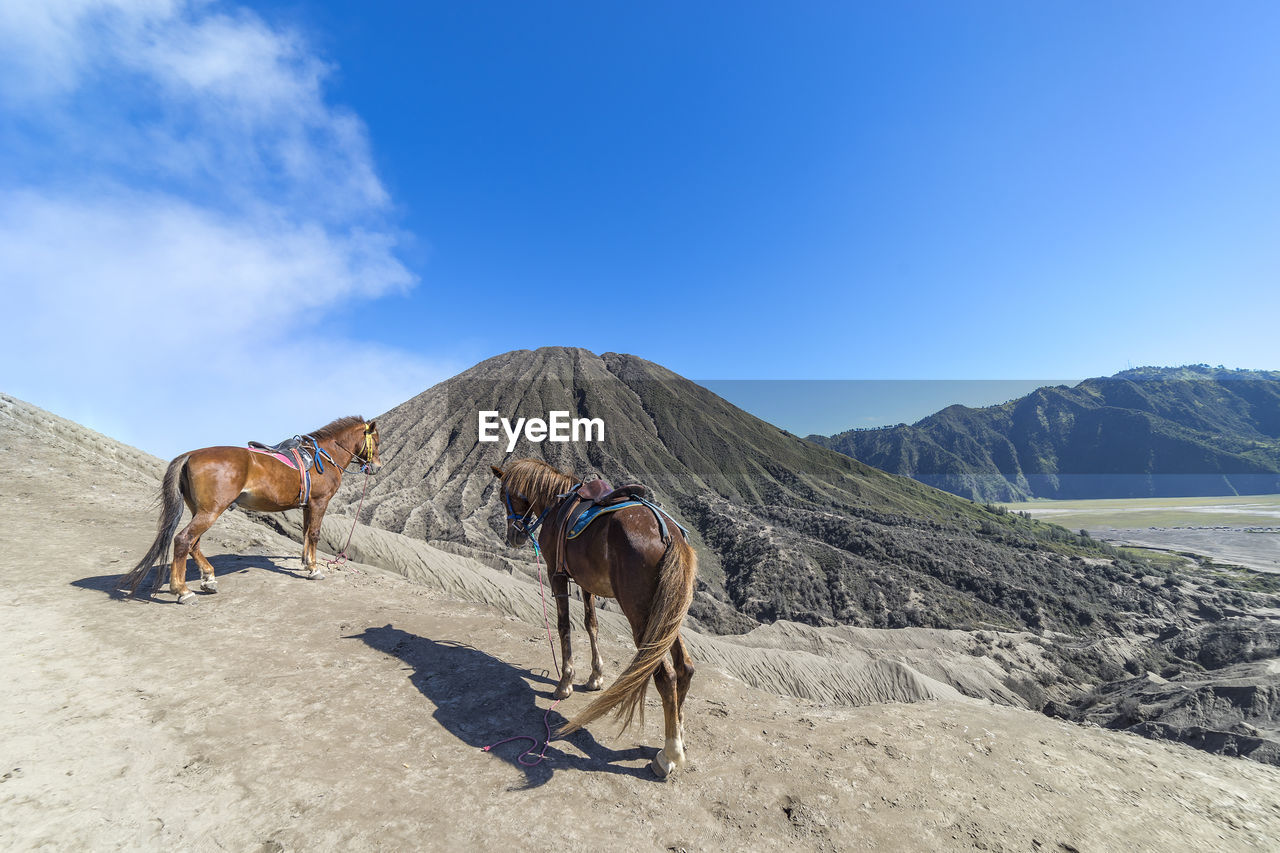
[(283, 457), (591, 513)]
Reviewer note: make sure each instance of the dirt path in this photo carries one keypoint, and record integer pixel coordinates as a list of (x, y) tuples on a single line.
[(348, 714)]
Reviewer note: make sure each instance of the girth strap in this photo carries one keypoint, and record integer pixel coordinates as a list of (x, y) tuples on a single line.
[(306, 479)]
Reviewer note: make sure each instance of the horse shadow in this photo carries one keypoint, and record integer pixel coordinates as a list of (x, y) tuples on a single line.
[(224, 565), (482, 701)]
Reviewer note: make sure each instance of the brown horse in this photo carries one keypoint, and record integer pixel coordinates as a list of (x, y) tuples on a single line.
[(621, 555), (213, 478)]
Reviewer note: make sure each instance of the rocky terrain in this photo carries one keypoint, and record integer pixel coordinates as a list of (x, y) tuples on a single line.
[(1229, 703), (350, 713), (1145, 432)]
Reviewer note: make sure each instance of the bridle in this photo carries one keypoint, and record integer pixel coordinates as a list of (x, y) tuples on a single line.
[(367, 459), (520, 523)]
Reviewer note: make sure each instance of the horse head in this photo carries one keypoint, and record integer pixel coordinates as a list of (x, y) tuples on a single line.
[(519, 513), (365, 449)]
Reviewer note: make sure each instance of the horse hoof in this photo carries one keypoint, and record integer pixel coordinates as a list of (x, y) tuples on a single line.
[(595, 683), (661, 765), (209, 586), (563, 692), (187, 597), (316, 575)]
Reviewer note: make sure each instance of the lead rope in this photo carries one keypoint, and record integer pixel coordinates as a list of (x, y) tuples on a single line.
[(342, 555), (546, 718)]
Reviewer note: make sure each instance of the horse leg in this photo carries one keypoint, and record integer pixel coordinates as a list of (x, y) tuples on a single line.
[(560, 589), (208, 582), (684, 674), (183, 544), (312, 515), (597, 663), (671, 756)]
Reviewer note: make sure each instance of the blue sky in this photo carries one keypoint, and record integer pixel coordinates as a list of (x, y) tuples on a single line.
[(192, 191)]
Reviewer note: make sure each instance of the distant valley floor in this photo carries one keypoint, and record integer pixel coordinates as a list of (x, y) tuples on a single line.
[(1256, 548), (1241, 531)]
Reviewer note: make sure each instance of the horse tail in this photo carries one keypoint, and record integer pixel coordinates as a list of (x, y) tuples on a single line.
[(170, 516), (670, 603)]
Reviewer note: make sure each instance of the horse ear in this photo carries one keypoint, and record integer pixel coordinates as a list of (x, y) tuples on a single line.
[(497, 472), (372, 427)]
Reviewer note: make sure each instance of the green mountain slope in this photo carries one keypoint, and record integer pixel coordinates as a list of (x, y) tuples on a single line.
[(1145, 432)]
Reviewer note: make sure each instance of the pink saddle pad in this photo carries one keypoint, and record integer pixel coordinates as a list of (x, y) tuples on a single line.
[(288, 460)]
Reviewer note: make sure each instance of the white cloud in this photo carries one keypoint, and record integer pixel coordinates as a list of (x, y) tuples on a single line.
[(179, 206), (230, 109), (172, 326)]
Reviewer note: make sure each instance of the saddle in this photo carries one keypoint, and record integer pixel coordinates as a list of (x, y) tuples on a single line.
[(286, 448), (582, 505), (590, 498), (298, 452), (600, 492)]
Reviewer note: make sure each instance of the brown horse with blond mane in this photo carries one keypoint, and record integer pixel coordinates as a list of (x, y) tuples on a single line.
[(211, 479), (622, 555)]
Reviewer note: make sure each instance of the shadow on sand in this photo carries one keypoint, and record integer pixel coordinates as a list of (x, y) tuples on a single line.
[(224, 565), (482, 700)]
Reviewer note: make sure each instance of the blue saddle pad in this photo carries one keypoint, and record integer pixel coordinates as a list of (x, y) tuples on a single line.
[(590, 514)]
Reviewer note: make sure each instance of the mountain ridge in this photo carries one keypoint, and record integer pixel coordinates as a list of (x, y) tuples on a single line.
[(1144, 432)]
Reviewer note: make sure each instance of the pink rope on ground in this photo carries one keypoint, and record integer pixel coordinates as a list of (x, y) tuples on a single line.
[(542, 756)]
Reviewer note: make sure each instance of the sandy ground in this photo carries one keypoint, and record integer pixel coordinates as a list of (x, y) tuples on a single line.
[(349, 714)]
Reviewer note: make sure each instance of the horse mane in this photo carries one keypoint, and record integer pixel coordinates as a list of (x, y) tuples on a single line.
[(337, 428), (536, 481)]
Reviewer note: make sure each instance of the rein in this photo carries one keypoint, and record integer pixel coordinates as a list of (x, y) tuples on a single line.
[(365, 461), (546, 718), (341, 556)]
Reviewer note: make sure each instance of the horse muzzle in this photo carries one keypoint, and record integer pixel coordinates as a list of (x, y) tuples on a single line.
[(371, 467)]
